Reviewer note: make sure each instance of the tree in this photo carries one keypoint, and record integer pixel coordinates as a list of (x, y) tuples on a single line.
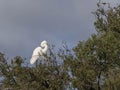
[(18, 76), (96, 62)]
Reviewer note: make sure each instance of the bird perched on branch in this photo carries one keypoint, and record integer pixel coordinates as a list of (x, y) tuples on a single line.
[(39, 52)]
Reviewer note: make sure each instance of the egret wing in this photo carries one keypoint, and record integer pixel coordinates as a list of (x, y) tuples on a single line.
[(35, 55)]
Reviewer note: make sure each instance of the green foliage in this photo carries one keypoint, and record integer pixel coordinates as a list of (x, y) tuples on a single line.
[(95, 59), (108, 18), (18, 76), (96, 63)]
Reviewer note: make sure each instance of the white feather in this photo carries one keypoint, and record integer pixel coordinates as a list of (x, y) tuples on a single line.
[(39, 52)]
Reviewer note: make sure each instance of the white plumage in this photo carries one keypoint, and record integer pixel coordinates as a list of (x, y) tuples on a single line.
[(39, 52)]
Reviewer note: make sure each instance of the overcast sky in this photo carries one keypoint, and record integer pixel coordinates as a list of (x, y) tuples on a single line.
[(25, 23)]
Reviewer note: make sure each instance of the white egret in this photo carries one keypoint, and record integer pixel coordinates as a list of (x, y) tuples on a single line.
[(39, 52)]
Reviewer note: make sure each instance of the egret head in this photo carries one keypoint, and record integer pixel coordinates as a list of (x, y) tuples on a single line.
[(43, 43)]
